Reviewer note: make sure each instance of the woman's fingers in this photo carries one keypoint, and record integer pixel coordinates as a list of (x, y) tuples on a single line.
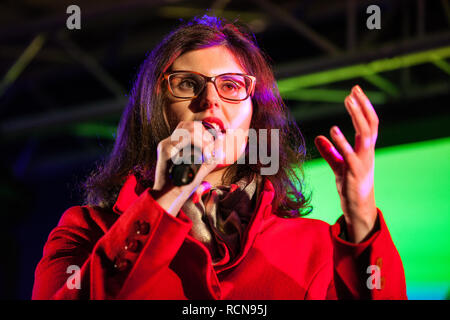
[(363, 136), (369, 112), (329, 153), (364, 118), (185, 135), (342, 145), (365, 121)]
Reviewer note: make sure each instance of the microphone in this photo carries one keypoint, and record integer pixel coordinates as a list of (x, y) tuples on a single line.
[(183, 173)]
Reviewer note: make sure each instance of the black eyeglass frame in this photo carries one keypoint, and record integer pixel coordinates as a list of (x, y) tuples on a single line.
[(250, 92)]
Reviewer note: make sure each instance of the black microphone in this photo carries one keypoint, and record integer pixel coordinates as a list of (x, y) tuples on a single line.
[(183, 173)]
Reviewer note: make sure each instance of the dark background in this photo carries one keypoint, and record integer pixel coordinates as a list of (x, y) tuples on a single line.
[(62, 91)]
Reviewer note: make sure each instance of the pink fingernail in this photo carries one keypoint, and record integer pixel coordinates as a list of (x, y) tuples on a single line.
[(351, 101), (358, 89), (207, 187), (336, 130)]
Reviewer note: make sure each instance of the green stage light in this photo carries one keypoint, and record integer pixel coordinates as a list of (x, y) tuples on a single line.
[(92, 129)]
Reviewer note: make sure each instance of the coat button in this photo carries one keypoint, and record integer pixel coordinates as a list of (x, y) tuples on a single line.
[(141, 227), (379, 262), (121, 264), (132, 245)]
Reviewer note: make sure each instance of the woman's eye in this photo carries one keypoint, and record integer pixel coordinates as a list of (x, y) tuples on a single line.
[(230, 86), (187, 84)]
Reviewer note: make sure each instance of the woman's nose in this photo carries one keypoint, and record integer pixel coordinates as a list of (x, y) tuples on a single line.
[(210, 97)]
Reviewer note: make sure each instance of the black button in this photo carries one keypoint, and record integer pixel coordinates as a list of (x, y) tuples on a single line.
[(142, 227), (121, 264), (132, 245)]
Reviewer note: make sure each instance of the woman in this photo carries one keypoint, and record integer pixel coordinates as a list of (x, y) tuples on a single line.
[(231, 233)]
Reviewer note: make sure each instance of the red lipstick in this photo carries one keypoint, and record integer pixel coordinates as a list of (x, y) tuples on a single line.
[(215, 120)]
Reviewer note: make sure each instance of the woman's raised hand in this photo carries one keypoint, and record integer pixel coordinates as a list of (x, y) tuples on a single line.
[(354, 167)]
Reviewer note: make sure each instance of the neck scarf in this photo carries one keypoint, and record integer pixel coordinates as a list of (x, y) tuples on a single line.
[(221, 216)]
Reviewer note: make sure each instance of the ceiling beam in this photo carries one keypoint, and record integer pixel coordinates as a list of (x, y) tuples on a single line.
[(22, 62)]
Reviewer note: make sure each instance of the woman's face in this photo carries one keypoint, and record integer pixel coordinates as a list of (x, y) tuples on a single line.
[(211, 62)]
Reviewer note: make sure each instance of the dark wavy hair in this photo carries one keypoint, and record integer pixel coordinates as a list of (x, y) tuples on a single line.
[(143, 126)]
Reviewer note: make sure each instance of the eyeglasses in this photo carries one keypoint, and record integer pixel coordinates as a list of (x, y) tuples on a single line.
[(229, 86)]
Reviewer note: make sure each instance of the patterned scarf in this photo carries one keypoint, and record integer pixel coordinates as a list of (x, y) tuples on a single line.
[(221, 217)]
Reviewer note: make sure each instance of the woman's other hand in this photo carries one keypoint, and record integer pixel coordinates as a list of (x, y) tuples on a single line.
[(354, 167)]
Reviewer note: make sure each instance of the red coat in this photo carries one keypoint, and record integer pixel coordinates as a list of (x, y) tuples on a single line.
[(139, 251)]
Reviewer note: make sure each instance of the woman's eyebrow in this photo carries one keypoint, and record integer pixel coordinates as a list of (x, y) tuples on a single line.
[(215, 74), (182, 70)]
